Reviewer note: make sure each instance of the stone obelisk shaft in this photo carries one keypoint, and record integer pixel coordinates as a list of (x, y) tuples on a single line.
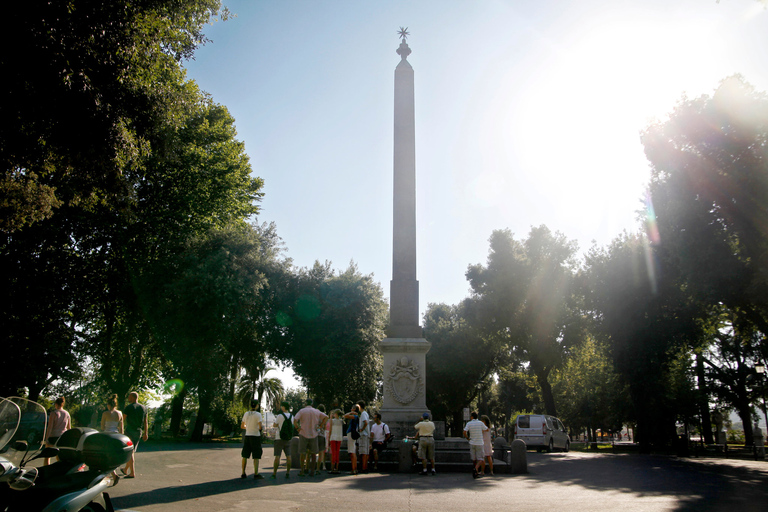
[(404, 287), (404, 350)]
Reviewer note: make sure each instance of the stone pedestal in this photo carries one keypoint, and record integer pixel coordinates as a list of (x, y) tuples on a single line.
[(518, 457), (404, 400)]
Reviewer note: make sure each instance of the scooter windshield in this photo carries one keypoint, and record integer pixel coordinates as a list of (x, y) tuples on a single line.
[(27, 437)]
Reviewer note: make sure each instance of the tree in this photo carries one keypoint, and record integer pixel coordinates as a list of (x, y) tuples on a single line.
[(332, 324), (254, 384), (460, 359), (526, 296), (95, 82), (589, 391)]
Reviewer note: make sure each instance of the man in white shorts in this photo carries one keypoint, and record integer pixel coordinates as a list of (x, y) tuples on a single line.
[(473, 431)]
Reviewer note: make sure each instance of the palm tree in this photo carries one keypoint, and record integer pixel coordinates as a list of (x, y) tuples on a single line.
[(254, 383)]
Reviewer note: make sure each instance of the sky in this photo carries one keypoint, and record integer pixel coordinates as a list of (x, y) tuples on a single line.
[(527, 113)]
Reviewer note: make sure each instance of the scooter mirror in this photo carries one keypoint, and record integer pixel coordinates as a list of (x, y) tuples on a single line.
[(20, 446), (47, 453)]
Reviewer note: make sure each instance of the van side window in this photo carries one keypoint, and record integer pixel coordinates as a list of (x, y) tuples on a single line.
[(560, 426), (524, 421), (549, 422)]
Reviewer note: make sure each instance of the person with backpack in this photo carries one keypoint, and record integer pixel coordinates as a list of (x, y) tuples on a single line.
[(284, 424), (353, 434)]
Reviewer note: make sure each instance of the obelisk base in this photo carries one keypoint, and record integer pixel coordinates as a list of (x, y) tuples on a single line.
[(405, 384)]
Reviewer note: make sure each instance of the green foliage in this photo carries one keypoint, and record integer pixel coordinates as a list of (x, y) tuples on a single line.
[(526, 296), (458, 362), (330, 329)]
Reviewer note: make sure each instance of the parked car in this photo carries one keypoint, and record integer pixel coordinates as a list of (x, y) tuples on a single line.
[(541, 431)]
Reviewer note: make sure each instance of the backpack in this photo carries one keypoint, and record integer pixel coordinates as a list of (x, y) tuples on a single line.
[(353, 428), (286, 430)]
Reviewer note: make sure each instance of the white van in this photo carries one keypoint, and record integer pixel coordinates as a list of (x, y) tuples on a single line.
[(541, 431)]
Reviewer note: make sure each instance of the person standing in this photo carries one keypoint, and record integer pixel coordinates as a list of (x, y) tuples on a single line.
[(136, 429), (252, 439), (487, 443), (473, 431), (364, 442), (306, 422), (58, 423), (380, 435), (112, 419), (322, 442), (425, 430), (334, 439), (353, 434), (284, 424)]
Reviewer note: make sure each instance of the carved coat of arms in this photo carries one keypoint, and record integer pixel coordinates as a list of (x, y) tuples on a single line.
[(404, 380)]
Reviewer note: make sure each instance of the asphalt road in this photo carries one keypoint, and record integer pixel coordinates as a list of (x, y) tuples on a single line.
[(206, 477)]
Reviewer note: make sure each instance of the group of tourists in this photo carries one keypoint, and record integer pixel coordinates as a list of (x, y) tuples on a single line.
[(321, 435), (132, 422), (320, 438)]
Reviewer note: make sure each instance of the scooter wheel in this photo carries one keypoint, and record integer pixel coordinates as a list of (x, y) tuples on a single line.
[(93, 507)]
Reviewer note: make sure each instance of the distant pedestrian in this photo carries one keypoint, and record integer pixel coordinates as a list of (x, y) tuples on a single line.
[(380, 436), (112, 419), (284, 425), (353, 434), (253, 427), (473, 431), (58, 423), (136, 428), (306, 421), (487, 443), (334, 439), (364, 442), (425, 430)]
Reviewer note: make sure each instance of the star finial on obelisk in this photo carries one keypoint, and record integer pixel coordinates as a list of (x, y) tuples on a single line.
[(403, 51)]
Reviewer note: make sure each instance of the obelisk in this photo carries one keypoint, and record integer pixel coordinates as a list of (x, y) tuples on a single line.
[(404, 350)]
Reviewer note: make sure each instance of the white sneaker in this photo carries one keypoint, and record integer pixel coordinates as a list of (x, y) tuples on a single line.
[(433, 471)]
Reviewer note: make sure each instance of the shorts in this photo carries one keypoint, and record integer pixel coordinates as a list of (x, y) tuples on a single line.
[(320, 443), (378, 446), (252, 447), (282, 447), (135, 437), (308, 444), (476, 451), (364, 445), (427, 448)]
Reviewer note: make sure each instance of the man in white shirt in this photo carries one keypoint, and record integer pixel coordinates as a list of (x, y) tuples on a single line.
[(473, 431), (252, 439), (364, 443), (380, 434)]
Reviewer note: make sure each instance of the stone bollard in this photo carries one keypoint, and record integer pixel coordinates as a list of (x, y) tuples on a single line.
[(295, 460), (518, 457), (405, 462)]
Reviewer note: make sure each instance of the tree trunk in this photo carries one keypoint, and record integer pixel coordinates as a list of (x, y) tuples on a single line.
[(703, 396), (197, 433), (546, 391), (457, 425)]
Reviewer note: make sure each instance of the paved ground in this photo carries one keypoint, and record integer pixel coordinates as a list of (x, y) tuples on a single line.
[(206, 477)]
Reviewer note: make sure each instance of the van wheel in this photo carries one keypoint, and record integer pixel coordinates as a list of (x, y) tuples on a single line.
[(567, 446), (550, 447)]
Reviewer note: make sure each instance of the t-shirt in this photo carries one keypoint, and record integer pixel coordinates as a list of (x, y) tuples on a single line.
[(379, 432), (309, 418), (252, 420), (58, 419), (280, 418), (475, 429), (134, 416), (425, 428), (367, 419)]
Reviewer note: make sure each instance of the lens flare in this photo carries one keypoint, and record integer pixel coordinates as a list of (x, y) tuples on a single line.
[(284, 319), (652, 238), (173, 386)]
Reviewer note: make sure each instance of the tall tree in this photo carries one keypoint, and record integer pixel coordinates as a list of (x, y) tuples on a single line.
[(526, 295)]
